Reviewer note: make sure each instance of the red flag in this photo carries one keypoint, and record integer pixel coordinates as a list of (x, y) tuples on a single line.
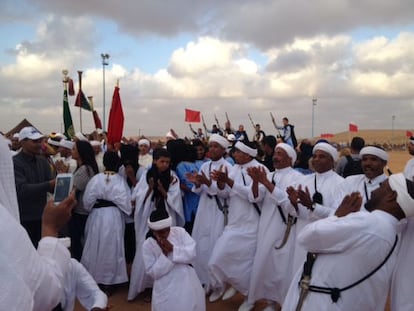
[(192, 116), (71, 88), (408, 134), (116, 119), (97, 120), (327, 135), (353, 127)]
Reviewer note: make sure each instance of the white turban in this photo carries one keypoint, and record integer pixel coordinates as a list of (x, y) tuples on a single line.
[(231, 137), (66, 144), (144, 141), (220, 140), (80, 136), (246, 149), (160, 224), (398, 183), (372, 150), (8, 196), (289, 150), (326, 148), (412, 140), (95, 143)]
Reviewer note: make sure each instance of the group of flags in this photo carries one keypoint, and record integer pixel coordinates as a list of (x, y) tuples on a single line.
[(116, 114)]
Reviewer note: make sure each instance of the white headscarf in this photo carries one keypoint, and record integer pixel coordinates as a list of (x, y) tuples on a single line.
[(8, 196), (373, 150), (246, 149)]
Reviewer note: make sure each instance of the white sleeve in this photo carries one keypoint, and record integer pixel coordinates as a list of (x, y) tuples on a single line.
[(87, 291), (55, 259), (186, 251)]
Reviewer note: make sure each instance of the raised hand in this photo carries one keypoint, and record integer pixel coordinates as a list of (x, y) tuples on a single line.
[(350, 204)]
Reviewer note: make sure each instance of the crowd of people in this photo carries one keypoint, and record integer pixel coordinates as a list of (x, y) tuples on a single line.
[(294, 224)]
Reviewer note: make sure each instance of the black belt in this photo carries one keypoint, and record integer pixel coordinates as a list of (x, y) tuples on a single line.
[(103, 203)]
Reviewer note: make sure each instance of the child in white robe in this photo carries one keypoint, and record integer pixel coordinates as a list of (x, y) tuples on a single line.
[(168, 253)]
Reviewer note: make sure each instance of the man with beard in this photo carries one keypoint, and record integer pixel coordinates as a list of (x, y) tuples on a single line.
[(373, 161), (351, 254)]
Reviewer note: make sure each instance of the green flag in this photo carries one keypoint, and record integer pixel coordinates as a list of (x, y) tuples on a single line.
[(67, 117)]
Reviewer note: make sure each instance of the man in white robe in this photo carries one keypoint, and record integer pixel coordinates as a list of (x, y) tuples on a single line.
[(210, 217), (325, 182), (273, 267), (402, 298), (232, 257), (373, 161), (33, 280), (348, 247), (106, 197), (144, 204), (168, 254)]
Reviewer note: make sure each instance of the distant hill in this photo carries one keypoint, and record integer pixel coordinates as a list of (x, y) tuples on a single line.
[(372, 136)]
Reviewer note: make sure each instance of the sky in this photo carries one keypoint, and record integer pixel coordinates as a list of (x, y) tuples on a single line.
[(239, 57)]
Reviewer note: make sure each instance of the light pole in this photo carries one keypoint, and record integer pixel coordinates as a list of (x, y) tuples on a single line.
[(314, 100), (392, 129), (105, 58)]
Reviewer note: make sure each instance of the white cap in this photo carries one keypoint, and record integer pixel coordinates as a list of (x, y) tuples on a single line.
[(29, 132), (66, 144), (144, 141)]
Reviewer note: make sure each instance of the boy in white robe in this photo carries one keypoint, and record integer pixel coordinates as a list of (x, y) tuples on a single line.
[(159, 186), (212, 209), (168, 253), (106, 197)]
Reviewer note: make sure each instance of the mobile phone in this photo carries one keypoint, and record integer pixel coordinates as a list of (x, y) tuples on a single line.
[(63, 187)]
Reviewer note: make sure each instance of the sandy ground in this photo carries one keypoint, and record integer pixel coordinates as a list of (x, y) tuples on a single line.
[(119, 302)]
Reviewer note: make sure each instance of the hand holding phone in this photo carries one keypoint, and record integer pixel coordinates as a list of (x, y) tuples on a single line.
[(63, 187)]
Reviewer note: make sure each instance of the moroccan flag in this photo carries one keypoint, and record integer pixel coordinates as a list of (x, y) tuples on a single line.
[(408, 134), (116, 119), (192, 116), (82, 101), (353, 127), (67, 117)]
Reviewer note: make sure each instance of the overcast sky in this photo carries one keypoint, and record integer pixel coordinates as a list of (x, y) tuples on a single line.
[(239, 57)]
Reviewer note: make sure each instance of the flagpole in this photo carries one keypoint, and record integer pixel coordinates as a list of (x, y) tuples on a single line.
[(105, 58)]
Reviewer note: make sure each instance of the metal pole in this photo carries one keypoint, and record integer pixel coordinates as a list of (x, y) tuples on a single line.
[(314, 100), (105, 58), (392, 130)]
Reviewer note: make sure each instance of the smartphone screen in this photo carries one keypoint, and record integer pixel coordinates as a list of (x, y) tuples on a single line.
[(62, 188)]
